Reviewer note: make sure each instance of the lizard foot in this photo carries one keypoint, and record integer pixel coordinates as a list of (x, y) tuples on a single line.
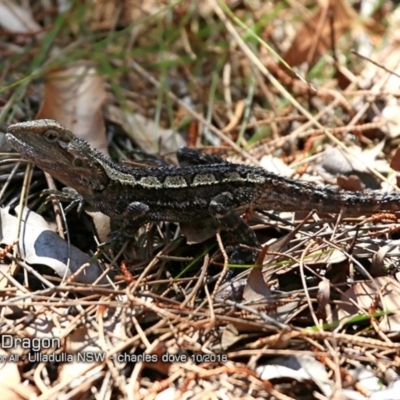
[(67, 194)]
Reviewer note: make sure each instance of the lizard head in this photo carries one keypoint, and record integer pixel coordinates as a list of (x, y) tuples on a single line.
[(57, 151)]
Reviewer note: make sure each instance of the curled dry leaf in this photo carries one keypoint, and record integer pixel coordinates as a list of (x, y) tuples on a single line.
[(378, 265), (246, 285), (40, 245), (313, 39)]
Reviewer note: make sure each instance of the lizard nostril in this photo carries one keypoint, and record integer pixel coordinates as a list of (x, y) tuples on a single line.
[(86, 181)]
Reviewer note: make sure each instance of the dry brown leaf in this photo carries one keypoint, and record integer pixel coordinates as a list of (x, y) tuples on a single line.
[(256, 288), (74, 97), (313, 39)]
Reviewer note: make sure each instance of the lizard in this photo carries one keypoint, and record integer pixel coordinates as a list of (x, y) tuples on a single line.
[(202, 188)]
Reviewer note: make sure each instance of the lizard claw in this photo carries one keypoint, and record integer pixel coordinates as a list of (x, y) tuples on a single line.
[(67, 194)]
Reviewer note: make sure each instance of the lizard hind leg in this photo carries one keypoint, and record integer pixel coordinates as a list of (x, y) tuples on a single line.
[(222, 210), (125, 225)]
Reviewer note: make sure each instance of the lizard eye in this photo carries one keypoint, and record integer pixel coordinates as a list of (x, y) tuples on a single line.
[(51, 135), (77, 162)]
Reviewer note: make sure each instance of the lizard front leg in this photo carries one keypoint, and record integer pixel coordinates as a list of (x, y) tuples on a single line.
[(222, 210), (67, 194)]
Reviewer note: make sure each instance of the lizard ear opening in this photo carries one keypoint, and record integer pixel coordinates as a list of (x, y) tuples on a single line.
[(50, 135), (92, 184)]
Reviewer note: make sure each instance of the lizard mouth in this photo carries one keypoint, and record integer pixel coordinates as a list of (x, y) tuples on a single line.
[(22, 147), (37, 154)]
